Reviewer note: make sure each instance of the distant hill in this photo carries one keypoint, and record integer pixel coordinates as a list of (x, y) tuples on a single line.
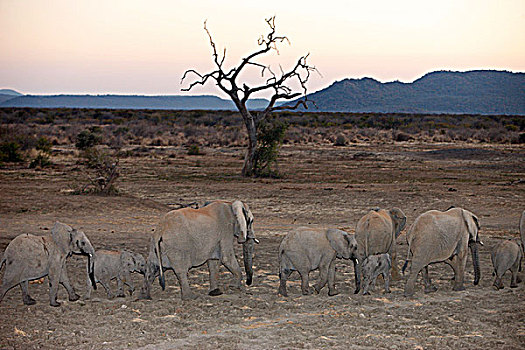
[(7, 94), (127, 102), (10, 92), (473, 92)]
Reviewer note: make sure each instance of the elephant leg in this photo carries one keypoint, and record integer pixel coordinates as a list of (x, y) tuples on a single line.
[(411, 281), (305, 285), (213, 269), (386, 277), (429, 288), (55, 271), (9, 281), (24, 286), (231, 263), (182, 276), (357, 275), (331, 280), (64, 280), (131, 286), (283, 277), (124, 278), (105, 283), (323, 276), (513, 278), (458, 263), (396, 275), (498, 283)]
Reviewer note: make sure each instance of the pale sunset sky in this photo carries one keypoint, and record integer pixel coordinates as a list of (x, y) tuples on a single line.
[(144, 47)]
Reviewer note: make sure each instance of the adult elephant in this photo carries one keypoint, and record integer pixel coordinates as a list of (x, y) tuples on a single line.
[(29, 257), (376, 233), (438, 236), (188, 237)]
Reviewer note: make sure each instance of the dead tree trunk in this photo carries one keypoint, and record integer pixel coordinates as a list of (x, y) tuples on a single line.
[(239, 93)]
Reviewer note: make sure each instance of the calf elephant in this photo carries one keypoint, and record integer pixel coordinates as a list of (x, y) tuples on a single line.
[(118, 265), (507, 255), (372, 267), (307, 249), (376, 233), (188, 237), (29, 257), (438, 236)]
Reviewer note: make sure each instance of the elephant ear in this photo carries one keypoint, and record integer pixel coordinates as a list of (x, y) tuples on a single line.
[(338, 242), (472, 223), (242, 230), (62, 235), (399, 219), (127, 260)]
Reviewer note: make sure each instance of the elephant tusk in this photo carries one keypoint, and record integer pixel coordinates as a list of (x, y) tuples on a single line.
[(256, 240), (481, 243)]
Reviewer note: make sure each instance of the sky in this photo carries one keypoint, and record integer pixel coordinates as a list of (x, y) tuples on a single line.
[(144, 46)]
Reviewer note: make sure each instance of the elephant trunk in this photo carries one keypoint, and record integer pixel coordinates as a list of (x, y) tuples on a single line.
[(475, 261), (91, 270), (247, 253)]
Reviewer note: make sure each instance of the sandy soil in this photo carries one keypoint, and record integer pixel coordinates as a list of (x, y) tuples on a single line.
[(323, 186)]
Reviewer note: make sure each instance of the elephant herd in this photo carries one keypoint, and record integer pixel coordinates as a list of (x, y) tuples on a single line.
[(188, 237)]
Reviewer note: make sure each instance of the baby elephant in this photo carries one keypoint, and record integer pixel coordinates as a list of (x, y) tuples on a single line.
[(116, 264), (373, 266), (507, 255), (307, 249)]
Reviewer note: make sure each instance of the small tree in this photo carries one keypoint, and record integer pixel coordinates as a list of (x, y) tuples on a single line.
[(279, 84)]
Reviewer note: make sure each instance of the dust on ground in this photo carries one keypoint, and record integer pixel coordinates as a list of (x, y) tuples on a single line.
[(322, 186)]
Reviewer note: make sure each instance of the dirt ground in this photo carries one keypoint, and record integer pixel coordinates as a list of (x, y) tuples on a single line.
[(322, 186)]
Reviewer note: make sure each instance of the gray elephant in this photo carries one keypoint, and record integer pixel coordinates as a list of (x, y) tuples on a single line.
[(507, 255), (438, 236), (29, 257), (188, 237), (307, 249), (373, 266), (110, 264), (376, 233)]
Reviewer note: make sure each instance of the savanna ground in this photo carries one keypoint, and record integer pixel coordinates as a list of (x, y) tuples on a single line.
[(322, 185)]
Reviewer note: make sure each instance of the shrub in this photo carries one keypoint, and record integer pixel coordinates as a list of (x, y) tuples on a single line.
[(340, 140), (194, 150), (105, 171), (10, 152), (402, 136), (88, 138), (40, 161), (270, 139), (43, 145)]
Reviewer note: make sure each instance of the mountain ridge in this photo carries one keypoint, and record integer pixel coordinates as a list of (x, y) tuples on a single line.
[(472, 92)]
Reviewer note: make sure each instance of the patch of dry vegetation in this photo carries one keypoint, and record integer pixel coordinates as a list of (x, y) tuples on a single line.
[(121, 128)]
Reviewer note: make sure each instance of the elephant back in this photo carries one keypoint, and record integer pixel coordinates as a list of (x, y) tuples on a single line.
[(374, 233)]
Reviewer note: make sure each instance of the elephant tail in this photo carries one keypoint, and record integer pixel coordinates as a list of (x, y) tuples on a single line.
[(2, 262), (367, 230), (158, 254), (408, 259)]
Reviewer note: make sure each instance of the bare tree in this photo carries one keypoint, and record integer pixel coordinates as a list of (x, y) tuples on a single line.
[(279, 84)]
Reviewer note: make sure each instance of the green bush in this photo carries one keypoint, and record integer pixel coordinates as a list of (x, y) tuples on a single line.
[(10, 152), (88, 138), (43, 145), (270, 138)]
